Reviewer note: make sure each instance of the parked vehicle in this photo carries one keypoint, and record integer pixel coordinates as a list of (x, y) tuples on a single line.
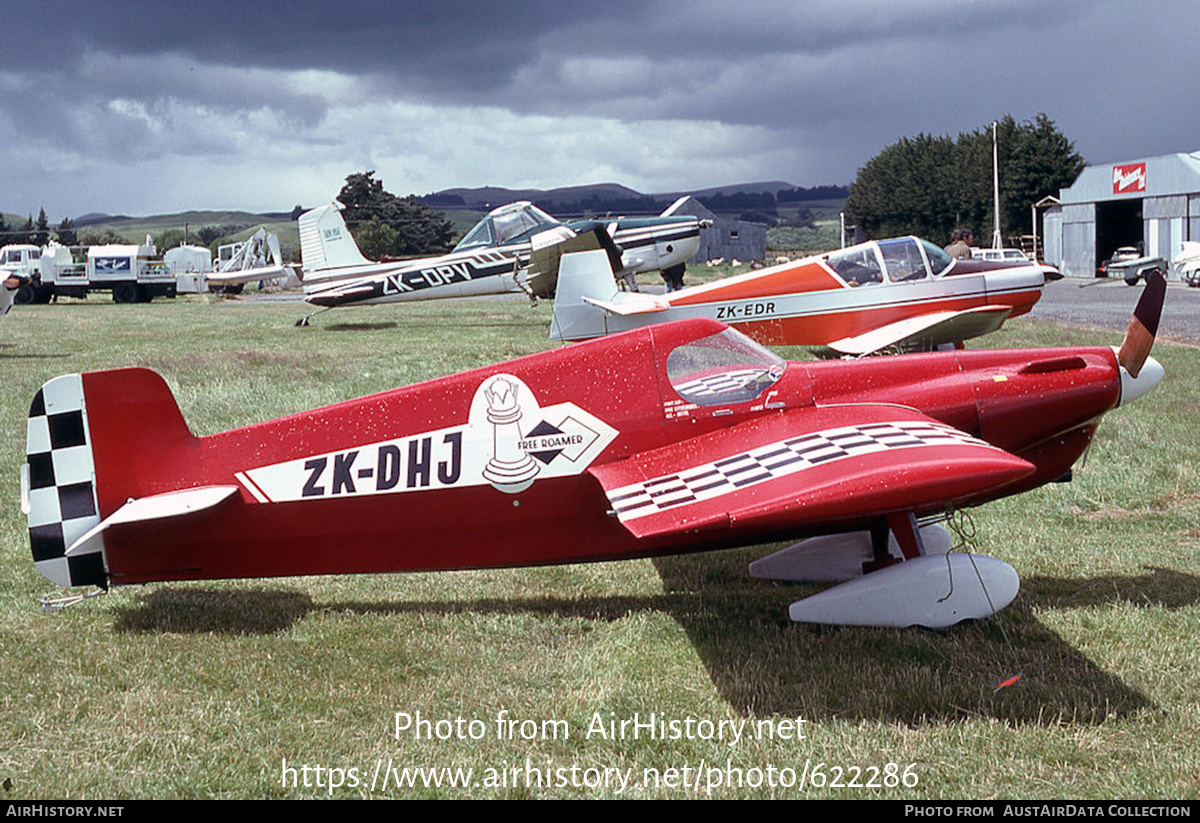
[(1121, 255), (1015, 255), (1136, 269), (128, 271)]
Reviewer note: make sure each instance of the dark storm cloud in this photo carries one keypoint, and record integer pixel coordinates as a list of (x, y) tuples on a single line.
[(438, 45), (761, 63), (661, 95), (521, 55)]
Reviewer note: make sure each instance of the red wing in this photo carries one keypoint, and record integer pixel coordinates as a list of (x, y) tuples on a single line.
[(802, 469)]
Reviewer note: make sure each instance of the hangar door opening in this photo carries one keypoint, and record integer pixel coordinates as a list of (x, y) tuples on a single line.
[(1118, 223)]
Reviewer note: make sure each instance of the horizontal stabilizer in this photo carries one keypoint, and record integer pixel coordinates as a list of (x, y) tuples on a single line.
[(933, 591), (926, 331), (232, 278), (628, 303), (338, 296), (154, 507)]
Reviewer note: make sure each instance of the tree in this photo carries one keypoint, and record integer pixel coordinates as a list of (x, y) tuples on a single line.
[(418, 229), (1041, 161), (905, 189), (107, 237), (210, 234), (375, 239), (930, 185), (41, 234), (65, 233), (168, 239)]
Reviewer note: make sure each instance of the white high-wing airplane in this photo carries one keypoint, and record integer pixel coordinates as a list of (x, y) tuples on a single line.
[(495, 256)]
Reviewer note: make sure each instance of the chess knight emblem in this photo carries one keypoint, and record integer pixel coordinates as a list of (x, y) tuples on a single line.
[(528, 442)]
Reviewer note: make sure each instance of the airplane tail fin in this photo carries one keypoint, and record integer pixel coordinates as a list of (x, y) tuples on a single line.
[(325, 242), (582, 276), (116, 421), (675, 208)]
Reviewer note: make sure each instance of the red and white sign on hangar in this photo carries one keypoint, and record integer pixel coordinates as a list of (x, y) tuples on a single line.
[(1129, 178)]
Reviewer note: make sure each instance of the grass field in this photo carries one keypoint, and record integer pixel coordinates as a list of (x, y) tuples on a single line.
[(218, 689)]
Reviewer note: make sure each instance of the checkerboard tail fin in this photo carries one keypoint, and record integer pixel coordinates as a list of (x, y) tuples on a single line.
[(58, 483), (82, 428)]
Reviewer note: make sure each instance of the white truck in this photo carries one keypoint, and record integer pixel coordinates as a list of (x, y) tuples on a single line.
[(20, 259), (128, 271)]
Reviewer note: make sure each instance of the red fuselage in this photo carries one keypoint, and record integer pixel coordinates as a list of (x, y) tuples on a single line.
[(393, 481)]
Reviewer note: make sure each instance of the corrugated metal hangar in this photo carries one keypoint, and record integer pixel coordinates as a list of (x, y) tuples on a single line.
[(724, 238), (1151, 204)]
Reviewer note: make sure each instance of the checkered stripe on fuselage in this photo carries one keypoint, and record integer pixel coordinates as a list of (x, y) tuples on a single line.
[(62, 487), (777, 460)]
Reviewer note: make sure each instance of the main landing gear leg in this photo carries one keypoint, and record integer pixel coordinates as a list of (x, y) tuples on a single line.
[(908, 536)]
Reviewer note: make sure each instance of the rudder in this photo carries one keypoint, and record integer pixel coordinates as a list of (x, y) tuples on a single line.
[(325, 242), (582, 276), (77, 423)]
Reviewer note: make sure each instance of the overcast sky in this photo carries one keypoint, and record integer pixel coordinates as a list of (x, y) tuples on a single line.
[(151, 107)]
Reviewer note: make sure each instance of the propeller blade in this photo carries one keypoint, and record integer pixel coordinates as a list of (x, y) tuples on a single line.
[(1143, 326)]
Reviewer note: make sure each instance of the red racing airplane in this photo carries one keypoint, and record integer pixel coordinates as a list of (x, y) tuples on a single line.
[(899, 294), (679, 437)]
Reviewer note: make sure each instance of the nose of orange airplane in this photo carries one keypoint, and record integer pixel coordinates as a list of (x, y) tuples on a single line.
[(1017, 286), (1050, 273)]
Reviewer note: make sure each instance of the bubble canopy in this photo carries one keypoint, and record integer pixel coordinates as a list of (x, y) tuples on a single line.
[(726, 367)]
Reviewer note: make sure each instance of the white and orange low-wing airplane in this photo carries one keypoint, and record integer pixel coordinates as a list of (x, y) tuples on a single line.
[(902, 294)]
